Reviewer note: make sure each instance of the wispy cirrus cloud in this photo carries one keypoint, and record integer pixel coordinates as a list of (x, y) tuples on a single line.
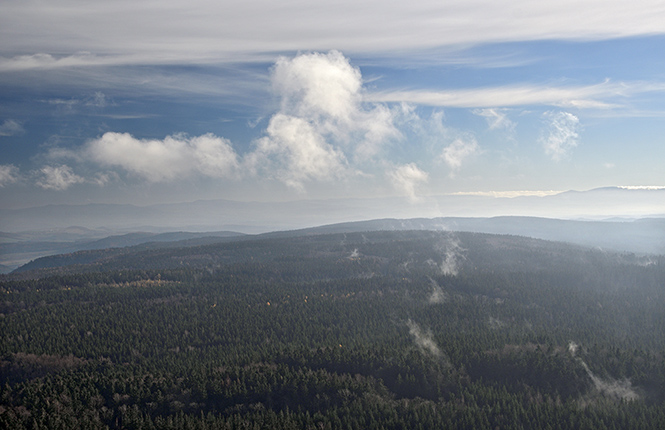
[(11, 127), (58, 178), (98, 100), (497, 119), (458, 151), (561, 135), (606, 95), (173, 31), (44, 61), (9, 174)]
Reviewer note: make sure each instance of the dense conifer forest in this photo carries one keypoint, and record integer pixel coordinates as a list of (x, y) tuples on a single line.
[(374, 330)]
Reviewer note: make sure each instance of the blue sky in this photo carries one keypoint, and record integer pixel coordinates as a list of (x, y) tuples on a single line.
[(172, 101)]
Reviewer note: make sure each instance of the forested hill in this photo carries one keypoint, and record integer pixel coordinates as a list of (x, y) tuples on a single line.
[(640, 236), (31, 245), (383, 330), (97, 255), (646, 235), (213, 252)]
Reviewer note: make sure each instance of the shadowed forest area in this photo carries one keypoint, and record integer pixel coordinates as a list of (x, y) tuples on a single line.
[(365, 330)]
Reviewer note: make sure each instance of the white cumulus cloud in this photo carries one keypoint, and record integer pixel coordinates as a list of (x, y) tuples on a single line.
[(167, 159), (561, 135), (295, 152), (322, 122), (318, 86), (58, 178)]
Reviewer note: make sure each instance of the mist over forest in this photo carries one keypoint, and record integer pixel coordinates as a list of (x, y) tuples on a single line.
[(358, 325)]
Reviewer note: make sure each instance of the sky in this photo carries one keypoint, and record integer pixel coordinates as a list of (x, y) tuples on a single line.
[(172, 101)]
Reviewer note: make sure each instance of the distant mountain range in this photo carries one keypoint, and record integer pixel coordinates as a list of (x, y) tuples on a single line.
[(613, 218), (257, 217), (642, 236), (638, 236)]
